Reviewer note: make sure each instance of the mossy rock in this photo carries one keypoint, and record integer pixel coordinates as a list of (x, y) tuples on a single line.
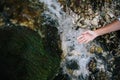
[(23, 57)]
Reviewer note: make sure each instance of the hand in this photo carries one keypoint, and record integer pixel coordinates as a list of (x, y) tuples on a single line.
[(87, 36)]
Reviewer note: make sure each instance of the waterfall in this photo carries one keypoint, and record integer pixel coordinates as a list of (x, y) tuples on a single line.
[(75, 56)]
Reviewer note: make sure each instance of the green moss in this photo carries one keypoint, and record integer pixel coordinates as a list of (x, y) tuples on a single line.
[(23, 57)]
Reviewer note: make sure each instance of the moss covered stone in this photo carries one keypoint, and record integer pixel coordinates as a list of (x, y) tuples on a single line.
[(23, 57)]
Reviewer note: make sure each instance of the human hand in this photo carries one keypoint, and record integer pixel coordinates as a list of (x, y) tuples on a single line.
[(87, 36)]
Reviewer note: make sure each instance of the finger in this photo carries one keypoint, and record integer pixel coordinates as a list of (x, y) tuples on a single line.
[(81, 36), (83, 40), (87, 41)]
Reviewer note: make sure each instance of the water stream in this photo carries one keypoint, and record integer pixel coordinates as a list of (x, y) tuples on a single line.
[(75, 56)]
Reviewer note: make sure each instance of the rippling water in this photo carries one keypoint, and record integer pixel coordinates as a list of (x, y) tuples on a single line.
[(75, 56)]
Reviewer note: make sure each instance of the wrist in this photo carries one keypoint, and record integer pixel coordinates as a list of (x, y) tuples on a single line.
[(96, 33)]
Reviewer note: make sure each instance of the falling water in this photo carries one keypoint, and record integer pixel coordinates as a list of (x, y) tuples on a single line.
[(75, 55)]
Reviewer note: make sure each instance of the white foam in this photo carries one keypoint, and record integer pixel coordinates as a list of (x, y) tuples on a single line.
[(69, 36)]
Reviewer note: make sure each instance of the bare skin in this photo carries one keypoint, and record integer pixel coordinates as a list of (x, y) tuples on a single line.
[(89, 35)]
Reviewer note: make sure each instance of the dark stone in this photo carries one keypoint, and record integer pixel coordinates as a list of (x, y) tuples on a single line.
[(72, 64), (23, 57)]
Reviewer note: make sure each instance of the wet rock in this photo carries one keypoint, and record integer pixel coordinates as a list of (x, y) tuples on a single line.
[(24, 13), (72, 64), (93, 15), (23, 56), (29, 50)]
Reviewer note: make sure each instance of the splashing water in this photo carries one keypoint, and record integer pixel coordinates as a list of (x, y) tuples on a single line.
[(75, 55)]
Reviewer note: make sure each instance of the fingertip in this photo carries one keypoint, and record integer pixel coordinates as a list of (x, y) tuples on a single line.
[(82, 41), (86, 42), (80, 37)]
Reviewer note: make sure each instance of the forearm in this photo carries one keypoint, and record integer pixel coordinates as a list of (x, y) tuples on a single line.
[(114, 26)]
